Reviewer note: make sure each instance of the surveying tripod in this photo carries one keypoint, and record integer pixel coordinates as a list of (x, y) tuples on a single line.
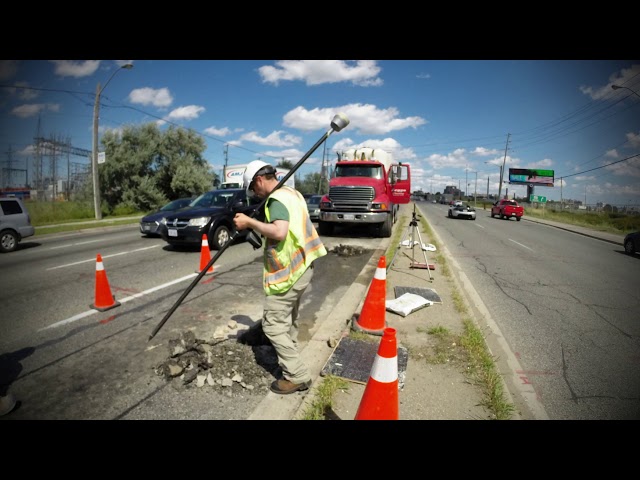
[(412, 231)]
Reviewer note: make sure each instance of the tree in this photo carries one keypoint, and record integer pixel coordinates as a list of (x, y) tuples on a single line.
[(312, 184), (147, 167)]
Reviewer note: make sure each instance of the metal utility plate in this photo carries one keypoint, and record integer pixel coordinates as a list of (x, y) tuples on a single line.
[(428, 293), (352, 360)]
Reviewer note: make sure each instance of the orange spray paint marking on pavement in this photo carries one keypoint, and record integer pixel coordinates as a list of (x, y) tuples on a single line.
[(107, 320)]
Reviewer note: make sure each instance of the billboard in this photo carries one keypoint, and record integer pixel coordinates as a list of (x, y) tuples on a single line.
[(531, 176)]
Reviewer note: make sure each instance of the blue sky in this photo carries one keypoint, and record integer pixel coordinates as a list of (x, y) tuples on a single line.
[(449, 119)]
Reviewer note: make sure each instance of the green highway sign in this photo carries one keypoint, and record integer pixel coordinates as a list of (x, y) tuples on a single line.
[(537, 199)]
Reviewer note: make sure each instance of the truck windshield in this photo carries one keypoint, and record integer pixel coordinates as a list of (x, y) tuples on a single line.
[(369, 171)]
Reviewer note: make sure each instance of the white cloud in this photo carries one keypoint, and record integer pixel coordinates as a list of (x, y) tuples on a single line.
[(363, 73), (584, 178), (75, 68), (456, 158), (369, 119), (274, 139), (424, 75), (630, 168), (160, 97), (544, 163), (613, 153), (218, 132), (618, 78), (484, 152), (633, 139), (31, 109), (22, 93), (8, 69), (188, 112)]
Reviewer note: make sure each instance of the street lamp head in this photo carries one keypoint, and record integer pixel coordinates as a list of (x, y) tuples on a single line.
[(127, 66), (616, 87)]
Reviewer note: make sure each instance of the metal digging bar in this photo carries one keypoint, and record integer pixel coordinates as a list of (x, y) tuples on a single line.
[(338, 123)]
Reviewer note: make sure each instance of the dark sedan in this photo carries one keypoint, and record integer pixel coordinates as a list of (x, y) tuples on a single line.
[(313, 207), (211, 214), (149, 224)]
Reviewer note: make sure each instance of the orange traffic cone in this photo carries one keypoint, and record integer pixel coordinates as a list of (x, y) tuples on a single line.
[(372, 316), (380, 397), (205, 256), (103, 298)]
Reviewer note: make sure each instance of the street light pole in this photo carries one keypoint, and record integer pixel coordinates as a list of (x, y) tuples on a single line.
[(502, 168), (617, 87), (94, 156)]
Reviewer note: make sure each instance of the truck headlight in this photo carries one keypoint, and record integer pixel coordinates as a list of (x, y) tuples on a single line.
[(379, 206)]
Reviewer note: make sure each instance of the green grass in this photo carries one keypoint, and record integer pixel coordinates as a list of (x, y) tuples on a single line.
[(50, 213), (610, 222), (323, 397)]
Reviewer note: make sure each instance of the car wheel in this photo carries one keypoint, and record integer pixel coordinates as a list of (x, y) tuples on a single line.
[(450, 214), (518, 218), (8, 241), (629, 247), (492, 215), (220, 237)]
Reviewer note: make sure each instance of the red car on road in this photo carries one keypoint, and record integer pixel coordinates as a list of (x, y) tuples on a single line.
[(506, 208)]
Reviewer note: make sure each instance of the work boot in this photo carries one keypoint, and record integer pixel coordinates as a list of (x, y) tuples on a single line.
[(285, 387)]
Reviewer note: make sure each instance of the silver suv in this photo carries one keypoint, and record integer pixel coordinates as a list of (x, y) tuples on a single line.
[(15, 223)]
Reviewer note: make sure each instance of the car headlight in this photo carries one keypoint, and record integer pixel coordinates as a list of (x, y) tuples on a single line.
[(163, 221), (199, 222)]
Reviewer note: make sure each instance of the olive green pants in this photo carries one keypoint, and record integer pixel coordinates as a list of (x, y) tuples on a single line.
[(280, 325)]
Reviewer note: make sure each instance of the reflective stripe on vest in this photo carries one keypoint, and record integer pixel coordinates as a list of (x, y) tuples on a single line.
[(286, 261)]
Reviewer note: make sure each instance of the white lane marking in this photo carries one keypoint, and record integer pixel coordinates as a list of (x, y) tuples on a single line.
[(478, 225), (75, 244), (137, 295), (523, 246), (103, 257)]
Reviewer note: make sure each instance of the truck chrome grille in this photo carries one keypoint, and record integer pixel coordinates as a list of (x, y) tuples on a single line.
[(354, 198)]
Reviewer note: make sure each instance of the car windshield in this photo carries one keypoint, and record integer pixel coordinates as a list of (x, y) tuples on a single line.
[(218, 198), (371, 171), (314, 200), (175, 205)]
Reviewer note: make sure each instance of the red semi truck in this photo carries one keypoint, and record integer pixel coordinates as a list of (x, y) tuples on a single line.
[(367, 187)]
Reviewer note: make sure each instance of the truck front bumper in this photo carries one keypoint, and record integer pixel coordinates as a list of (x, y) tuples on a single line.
[(355, 217)]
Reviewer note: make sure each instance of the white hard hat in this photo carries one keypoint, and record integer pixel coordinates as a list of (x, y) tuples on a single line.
[(251, 170)]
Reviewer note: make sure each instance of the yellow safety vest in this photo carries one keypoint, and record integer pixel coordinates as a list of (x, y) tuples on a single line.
[(286, 261)]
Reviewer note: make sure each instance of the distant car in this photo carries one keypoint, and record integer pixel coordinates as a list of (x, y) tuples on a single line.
[(313, 206), (149, 224), (15, 223), (211, 214), (632, 243), (462, 211)]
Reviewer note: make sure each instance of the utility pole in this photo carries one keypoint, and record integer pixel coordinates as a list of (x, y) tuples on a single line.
[(475, 191), (502, 169), (487, 187), (466, 181)]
